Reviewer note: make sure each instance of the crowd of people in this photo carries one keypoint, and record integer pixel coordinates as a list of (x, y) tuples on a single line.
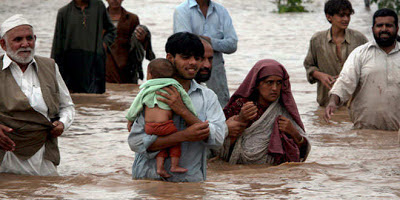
[(183, 114)]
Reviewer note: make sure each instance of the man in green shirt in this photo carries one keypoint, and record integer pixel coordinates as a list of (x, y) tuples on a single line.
[(83, 29), (329, 49)]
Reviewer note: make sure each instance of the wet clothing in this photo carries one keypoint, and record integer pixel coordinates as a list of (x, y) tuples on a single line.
[(218, 26), (161, 129), (148, 97), (263, 142), (31, 100), (194, 154), (372, 77), (322, 57), (124, 65), (78, 46)]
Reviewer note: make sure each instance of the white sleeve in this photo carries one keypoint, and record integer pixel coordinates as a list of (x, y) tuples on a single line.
[(67, 107)]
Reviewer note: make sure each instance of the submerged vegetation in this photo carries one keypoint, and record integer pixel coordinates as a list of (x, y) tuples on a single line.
[(290, 6)]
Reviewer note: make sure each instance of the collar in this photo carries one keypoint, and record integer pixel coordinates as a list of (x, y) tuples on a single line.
[(346, 35), (193, 3), (373, 43), (76, 6), (194, 86), (123, 12), (7, 62)]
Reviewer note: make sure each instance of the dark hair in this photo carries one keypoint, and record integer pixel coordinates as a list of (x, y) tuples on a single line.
[(184, 43), (161, 68), (385, 12), (333, 7)]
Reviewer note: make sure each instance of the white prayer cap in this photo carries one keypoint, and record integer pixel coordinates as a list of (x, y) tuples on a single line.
[(12, 22)]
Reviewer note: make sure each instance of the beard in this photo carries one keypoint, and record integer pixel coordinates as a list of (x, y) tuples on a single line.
[(20, 59), (385, 42), (200, 77)]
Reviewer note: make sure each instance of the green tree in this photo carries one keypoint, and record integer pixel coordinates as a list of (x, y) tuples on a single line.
[(290, 6), (392, 4)]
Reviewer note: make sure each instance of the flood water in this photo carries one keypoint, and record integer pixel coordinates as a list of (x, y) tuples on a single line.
[(96, 160)]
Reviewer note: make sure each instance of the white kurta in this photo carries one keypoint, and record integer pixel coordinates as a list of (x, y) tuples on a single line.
[(29, 83), (373, 78)]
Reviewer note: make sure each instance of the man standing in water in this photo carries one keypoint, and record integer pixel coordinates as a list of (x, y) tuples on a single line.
[(83, 31), (371, 76), (329, 49), (212, 20), (196, 133), (35, 104), (233, 127)]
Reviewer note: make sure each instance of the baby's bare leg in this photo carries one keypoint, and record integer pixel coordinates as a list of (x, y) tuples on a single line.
[(175, 166), (160, 167)]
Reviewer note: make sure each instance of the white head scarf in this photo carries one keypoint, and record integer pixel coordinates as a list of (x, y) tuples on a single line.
[(12, 22)]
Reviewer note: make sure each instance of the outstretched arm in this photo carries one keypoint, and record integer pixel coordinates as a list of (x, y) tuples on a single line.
[(333, 104)]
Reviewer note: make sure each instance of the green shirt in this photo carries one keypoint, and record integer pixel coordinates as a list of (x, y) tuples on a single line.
[(322, 57)]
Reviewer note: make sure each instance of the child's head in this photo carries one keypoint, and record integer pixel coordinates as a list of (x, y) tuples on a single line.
[(160, 68)]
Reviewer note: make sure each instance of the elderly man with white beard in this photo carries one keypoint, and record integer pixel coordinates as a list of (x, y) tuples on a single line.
[(35, 105)]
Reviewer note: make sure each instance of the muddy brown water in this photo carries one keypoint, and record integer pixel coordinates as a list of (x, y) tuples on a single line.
[(96, 160)]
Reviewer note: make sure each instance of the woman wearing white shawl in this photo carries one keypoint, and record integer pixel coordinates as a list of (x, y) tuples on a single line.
[(275, 132)]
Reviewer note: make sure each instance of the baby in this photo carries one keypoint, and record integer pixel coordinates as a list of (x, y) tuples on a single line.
[(158, 115)]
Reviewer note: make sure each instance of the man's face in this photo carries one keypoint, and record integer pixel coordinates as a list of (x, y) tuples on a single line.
[(206, 65), (19, 43), (385, 31), (341, 20), (186, 66)]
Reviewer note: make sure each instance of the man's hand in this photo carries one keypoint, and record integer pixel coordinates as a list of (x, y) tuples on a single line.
[(5, 142), (248, 112), (329, 111), (235, 127), (197, 132), (129, 125), (173, 100), (58, 129), (140, 33), (326, 79), (331, 107)]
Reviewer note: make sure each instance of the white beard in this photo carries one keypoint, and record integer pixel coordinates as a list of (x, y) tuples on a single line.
[(19, 59)]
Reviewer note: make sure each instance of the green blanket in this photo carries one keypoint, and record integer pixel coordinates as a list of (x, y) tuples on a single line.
[(148, 97)]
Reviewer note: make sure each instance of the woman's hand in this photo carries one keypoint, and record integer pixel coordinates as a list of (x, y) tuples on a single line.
[(248, 112), (286, 126)]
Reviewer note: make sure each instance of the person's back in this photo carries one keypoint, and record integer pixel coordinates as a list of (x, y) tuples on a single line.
[(158, 69)]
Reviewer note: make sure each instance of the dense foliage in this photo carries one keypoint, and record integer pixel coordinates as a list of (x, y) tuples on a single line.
[(290, 6), (392, 4)]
